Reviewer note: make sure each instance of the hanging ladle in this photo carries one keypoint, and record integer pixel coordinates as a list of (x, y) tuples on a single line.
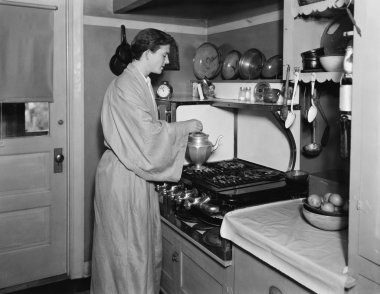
[(326, 132), (291, 115), (312, 113), (313, 149)]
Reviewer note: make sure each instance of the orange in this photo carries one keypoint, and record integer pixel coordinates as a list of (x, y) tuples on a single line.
[(336, 199), (314, 200)]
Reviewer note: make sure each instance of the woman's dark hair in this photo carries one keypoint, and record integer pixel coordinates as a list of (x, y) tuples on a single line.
[(149, 39)]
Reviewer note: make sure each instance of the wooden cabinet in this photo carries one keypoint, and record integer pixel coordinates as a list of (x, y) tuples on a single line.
[(186, 269), (254, 276), (304, 27)]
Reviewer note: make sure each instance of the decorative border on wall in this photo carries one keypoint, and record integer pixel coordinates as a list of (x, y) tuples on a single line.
[(194, 30), (247, 22)]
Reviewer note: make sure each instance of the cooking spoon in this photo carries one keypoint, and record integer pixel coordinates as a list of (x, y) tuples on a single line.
[(313, 149), (311, 115), (291, 115)]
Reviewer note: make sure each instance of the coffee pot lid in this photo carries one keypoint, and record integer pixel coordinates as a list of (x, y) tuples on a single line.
[(196, 136)]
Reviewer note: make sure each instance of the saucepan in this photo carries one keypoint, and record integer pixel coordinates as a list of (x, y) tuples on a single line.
[(296, 177), (123, 55)]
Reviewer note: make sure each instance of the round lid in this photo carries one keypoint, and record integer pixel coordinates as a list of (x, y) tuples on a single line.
[(251, 64), (197, 136), (230, 68), (272, 67), (207, 61)]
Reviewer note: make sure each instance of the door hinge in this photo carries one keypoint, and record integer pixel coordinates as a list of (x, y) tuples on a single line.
[(358, 205)]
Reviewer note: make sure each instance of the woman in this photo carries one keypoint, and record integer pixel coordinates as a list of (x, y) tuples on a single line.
[(127, 247)]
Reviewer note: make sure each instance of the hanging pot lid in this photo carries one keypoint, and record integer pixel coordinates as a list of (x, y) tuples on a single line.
[(272, 67), (230, 68), (251, 64), (207, 61)]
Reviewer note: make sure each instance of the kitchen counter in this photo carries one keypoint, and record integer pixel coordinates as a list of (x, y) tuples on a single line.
[(278, 234)]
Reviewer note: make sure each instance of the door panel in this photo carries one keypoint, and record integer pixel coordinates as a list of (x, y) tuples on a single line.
[(32, 172), (33, 199)]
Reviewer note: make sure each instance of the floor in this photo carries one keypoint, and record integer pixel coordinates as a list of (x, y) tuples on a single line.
[(80, 286)]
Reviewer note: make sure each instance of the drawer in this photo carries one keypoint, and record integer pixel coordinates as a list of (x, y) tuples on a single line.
[(254, 276)]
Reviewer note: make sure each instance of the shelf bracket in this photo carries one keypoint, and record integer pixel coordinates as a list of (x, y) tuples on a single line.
[(290, 138)]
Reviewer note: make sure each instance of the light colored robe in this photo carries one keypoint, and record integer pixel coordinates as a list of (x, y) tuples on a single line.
[(127, 245)]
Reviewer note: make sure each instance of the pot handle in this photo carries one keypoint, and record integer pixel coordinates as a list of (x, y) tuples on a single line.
[(216, 145), (123, 35)]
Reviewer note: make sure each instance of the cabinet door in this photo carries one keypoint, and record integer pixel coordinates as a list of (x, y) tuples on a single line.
[(253, 276), (170, 258), (199, 274), (364, 227)]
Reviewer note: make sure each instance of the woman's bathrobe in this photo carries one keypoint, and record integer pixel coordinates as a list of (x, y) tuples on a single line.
[(127, 246)]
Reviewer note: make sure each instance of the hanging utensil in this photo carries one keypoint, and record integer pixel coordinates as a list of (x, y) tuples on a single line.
[(326, 132), (345, 128), (312, 113), (313, 149), (284, 109), (291, 115), (123, 55)]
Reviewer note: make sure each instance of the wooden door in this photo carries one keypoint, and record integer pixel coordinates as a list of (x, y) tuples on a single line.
[(33, 197)]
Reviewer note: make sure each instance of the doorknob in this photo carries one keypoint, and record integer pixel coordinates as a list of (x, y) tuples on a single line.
[(58, 159)]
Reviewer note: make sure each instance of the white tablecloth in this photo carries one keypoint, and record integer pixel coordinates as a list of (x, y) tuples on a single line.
[(278, 234)]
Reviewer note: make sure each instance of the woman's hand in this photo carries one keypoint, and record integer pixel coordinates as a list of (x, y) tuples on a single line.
[(194, 125)]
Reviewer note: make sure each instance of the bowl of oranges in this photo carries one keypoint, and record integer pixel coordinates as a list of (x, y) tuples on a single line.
[(328, 212)]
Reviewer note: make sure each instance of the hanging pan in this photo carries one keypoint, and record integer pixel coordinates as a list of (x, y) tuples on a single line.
[(123, 55)]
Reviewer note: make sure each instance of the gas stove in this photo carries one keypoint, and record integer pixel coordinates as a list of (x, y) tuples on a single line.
[(203, 196), (222, 186)]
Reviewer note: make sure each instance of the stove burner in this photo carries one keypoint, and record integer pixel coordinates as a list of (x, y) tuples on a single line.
[(236, 172)]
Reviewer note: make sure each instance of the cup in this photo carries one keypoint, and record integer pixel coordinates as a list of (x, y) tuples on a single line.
[(271, 95)]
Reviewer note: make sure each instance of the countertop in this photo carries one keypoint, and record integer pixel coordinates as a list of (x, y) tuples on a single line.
[(278, 234)]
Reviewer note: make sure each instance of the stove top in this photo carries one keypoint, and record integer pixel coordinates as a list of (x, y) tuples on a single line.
[(238, 175)]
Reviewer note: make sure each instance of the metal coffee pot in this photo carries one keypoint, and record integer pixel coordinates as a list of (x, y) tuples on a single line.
[(199, 148)]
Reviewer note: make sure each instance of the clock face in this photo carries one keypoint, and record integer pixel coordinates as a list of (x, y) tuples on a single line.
[(164, 91)]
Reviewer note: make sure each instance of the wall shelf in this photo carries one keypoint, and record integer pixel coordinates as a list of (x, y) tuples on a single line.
[(318, 7), (321, 77)]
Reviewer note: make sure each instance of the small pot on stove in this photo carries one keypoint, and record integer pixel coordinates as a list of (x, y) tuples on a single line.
[(199, 148)]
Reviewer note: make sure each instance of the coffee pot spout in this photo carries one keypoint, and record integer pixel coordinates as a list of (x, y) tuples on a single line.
[(216, 145)]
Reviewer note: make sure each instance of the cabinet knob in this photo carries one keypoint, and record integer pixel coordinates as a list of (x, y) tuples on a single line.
[(274, 290), (175, 257)]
